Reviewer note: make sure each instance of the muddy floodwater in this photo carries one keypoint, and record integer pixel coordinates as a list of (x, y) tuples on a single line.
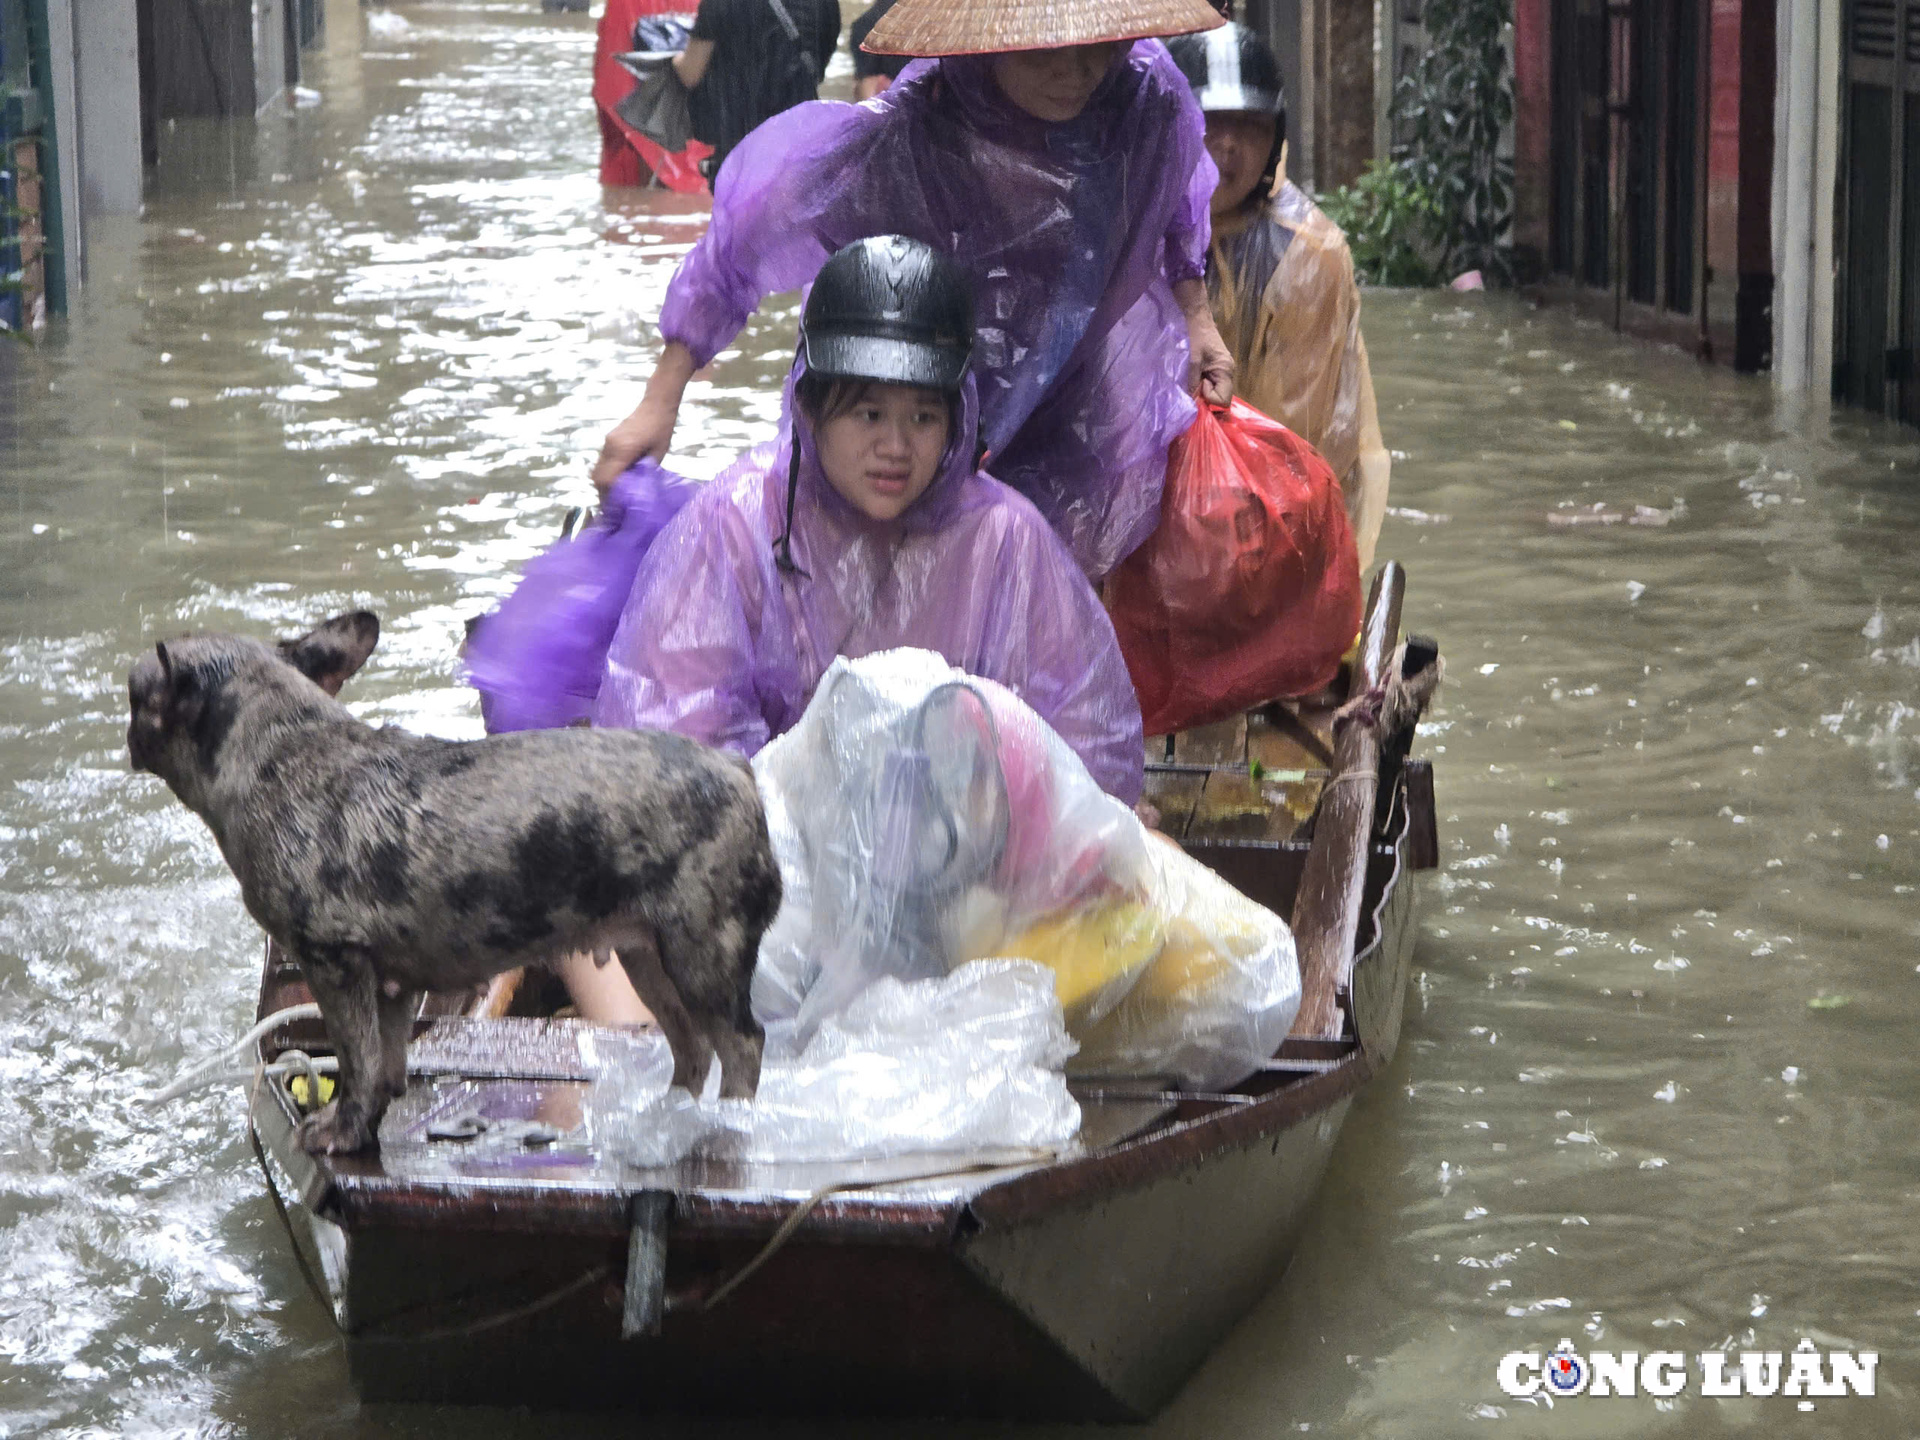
[(1657, 1083)]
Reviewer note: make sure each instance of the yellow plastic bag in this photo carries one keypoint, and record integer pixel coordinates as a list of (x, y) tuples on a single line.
[(1096, 952), (1217, 999)]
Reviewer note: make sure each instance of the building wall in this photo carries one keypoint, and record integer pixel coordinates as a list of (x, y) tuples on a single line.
[(107, 99), (106, 72), (272, 72), (1532, 159), (51, 23)]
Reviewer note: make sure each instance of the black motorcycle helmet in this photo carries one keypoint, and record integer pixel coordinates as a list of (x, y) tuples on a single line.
[(886, 309), (1231, 69), (889, 309)]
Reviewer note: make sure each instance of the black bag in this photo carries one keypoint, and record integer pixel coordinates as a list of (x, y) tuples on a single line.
[(657, 104)]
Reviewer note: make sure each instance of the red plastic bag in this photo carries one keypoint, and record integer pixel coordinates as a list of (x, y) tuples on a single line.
[(1250, 589)]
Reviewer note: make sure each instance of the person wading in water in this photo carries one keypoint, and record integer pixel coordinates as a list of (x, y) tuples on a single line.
[(748, 61)]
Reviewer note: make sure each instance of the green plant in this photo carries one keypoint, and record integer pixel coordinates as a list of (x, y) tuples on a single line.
[(1458, 102), (1389, 217)]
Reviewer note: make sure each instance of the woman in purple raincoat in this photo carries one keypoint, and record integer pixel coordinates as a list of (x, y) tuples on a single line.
[(864, 528), (1066, 174)]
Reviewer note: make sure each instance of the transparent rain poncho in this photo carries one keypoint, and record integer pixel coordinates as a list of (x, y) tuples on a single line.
[(1281, 282), (1069, 234), (719, 643)]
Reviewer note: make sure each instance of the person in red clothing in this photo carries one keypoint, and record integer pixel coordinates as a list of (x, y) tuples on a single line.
[(626, 156)]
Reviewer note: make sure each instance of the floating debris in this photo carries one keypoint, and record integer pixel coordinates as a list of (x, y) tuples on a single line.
[(1600, 513)]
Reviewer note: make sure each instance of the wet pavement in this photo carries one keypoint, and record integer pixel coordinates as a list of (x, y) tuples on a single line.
[(1655, 1085)]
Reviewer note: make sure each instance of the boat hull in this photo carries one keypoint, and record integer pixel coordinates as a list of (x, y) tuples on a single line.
[(1088, 1290)]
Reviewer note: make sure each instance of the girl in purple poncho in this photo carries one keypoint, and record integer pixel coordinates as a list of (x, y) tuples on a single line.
[(1068, 178), (865, 528)]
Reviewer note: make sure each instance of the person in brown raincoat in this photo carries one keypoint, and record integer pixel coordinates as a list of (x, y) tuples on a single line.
[(1280, 276)]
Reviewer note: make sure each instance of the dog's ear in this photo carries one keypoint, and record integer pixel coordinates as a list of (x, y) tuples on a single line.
[(331, 652), (150, 687)]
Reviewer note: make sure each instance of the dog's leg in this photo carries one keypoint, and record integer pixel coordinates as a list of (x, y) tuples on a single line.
[(739, 1052), (397, 1009), (713, 968), (345, 987), (692, 1054)]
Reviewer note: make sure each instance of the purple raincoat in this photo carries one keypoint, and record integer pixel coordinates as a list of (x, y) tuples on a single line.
[(1069, 234), (720, 644)]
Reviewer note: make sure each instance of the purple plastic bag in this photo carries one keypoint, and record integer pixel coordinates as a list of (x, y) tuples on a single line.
[(1069, 234), (537, 660), (721, 645)]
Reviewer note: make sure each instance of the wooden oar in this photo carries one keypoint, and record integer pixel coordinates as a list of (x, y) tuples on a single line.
[(1326, 909)]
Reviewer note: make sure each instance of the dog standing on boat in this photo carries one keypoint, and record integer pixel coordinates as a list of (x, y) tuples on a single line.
[(388, 864)]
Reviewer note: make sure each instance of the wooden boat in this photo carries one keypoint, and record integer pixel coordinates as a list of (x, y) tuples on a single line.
[(533, 1271)]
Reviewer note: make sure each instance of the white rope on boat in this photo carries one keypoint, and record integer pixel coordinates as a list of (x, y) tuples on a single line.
[(310, 1066), (211, 1072)]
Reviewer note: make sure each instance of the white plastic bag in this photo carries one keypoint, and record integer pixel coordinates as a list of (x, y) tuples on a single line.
[(631, 1111), (924, 818), (966, 1063)]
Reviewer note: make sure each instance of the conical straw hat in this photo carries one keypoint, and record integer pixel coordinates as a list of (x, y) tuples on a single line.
[(982, 27)]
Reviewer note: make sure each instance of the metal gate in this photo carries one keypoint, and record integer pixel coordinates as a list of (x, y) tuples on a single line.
[(1877, 309)]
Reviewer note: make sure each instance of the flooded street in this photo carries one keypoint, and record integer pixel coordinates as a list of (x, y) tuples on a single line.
[(1656, 1085)]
